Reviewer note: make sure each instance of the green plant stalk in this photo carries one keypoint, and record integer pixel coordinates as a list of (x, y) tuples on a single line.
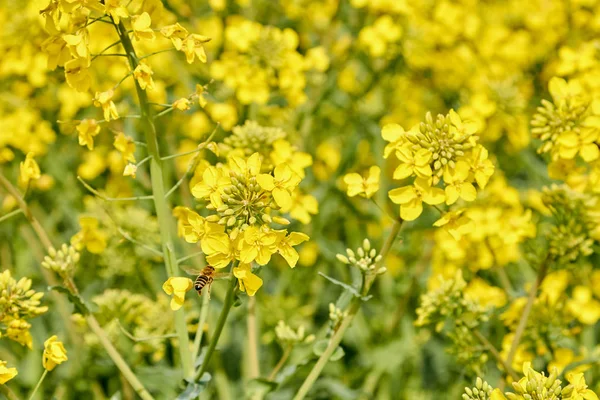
[(37, 386), (117, 359), (229, 297), (253, 363), (201, 322), (526, 311), (352, 310), (10, 395), (160, 203)]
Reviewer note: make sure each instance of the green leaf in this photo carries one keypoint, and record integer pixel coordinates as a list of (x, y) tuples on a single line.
[(347, 287), (76, 300), (260, 387), (193, 389), (320, 346)]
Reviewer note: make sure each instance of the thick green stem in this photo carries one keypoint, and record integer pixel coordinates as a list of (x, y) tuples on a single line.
[(163, 211), (229, 297), (352, 310)]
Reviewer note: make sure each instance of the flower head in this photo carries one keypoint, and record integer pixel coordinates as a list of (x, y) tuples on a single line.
[(87, 129), (249, 282), (366, 187), (177, 287), (104, 100), (143, 74), (6, 374), (29, 170), (54, 353)]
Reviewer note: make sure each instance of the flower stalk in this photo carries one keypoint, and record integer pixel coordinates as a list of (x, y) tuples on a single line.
[(229, 299), (352, 311), (159, 196)]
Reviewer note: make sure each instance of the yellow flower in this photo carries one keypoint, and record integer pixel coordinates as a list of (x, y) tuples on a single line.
[(455, 223), (285, 245), (18, 330), (257, 244), (87, 129), (481, 167), (143, 74), (176, 33), (104, 100), (141, 27), (411, 198), (303, 206), (248, 281), (457, 185), (413, 162), (213, 181), (125, 145), (116, 10), (583, 306), (281, 185), (90, 236), (28, 170), (580, 388), (77, 74), (395, 135), (284, 152), (130, 170), (497, 395), (177, 287), (54, 353), (357, 185), (182, 104), (6, 374), (193, 46)]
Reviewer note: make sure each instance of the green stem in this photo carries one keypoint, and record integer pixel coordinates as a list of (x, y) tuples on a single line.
[(35, 389), (163, 211), (352, 310), (526, 311), (281, 363), (229, 297), (10, 395), (10, 214), (201, 323), (117, 359), (253, 362)]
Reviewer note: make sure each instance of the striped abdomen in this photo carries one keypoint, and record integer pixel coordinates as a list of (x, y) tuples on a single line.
[(201, 281)]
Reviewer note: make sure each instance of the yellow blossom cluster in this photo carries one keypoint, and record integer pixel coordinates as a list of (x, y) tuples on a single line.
[(18, 303), (245, 204), (486, 234), (260, 61), (442, 156)]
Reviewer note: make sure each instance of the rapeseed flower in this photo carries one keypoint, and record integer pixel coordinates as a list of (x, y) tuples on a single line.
[(54, 353)]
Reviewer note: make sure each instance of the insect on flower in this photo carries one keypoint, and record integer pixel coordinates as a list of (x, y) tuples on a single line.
[(205, 278)]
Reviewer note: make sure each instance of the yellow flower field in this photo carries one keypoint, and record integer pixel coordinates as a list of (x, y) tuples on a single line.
[(300, 199)]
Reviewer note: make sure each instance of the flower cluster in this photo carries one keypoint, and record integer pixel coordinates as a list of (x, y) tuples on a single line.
[(18, 303), (244, 203), (260, 60), (570, 124), (289, 337), (536, 386), (436, 152), (63, 262), (365, 258)]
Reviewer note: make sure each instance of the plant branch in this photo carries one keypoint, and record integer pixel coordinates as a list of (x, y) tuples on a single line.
[(286, 354), (106, 198), (229, 297), (253, 363), (163, 210), (10, 214), (200, 330), (526, 311), (492, 349), (352, 311)]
